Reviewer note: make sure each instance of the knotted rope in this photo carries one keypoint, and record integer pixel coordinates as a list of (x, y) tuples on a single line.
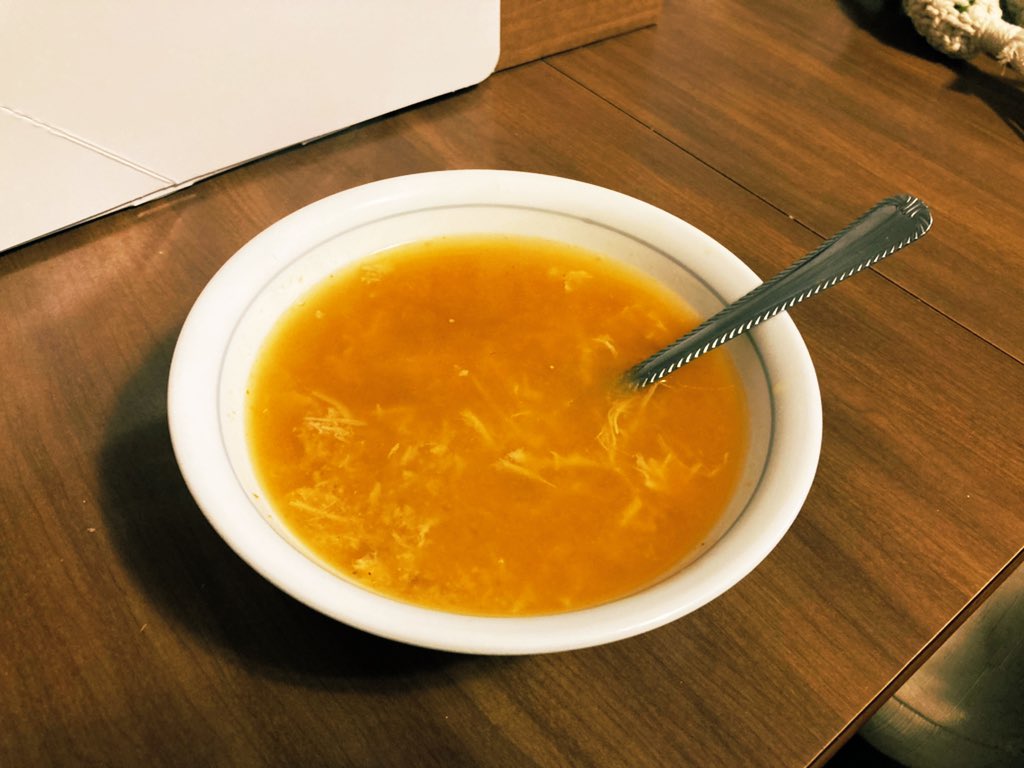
[(965, 28)]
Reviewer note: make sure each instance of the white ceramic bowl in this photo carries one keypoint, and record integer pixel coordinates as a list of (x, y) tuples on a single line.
[(224, 330)]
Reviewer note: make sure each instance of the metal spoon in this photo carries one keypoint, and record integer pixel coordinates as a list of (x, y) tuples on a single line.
[(892, 224)]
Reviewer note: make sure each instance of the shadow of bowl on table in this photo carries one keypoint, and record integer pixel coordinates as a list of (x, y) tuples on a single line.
[(887, 23), (191, 575)]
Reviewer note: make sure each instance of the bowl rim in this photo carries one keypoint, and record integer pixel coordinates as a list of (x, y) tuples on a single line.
[(194, 418)]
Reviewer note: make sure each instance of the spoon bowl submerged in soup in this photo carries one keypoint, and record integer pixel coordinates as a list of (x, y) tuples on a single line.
[(441, 424)]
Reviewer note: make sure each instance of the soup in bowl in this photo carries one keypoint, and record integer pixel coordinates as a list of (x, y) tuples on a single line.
[(403, 406)]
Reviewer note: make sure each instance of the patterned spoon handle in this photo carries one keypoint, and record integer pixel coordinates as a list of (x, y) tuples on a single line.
[(891, 225)]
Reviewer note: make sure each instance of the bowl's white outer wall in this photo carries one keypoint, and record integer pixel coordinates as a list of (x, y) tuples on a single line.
[(214, 350)]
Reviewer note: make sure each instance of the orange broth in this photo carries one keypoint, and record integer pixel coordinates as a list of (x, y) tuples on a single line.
[(442, 424)]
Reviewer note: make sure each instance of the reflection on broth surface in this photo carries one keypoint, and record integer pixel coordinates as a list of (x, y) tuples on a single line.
[(441, 424)]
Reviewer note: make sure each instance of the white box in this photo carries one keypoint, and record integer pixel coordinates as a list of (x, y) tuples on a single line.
[(112, 102)]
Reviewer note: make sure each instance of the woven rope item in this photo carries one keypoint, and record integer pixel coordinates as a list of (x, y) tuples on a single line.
[(965, 28)]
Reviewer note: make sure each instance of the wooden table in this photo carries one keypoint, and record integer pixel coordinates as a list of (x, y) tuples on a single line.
[(131, 635)]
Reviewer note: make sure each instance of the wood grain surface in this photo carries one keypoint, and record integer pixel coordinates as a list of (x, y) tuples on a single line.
[(132, 635), (532, 29)]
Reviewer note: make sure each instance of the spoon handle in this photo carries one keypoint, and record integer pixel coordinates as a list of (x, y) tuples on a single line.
[(891, 225)]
